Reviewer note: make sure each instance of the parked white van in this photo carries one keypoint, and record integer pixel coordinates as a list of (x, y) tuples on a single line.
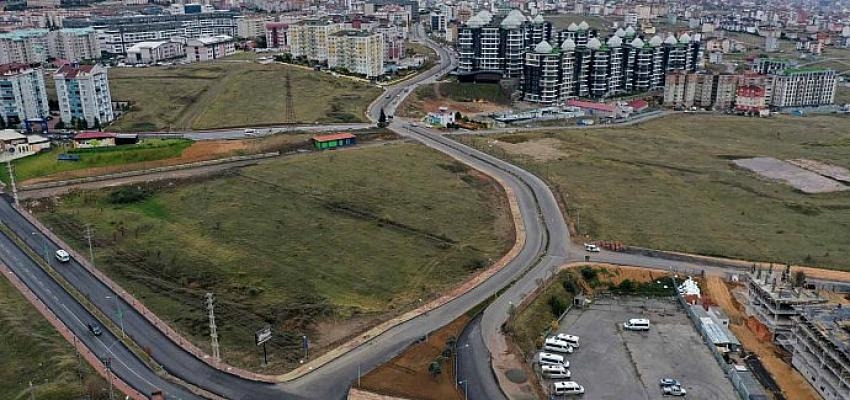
[(570, 339), (555, 372), (544, 358), (565, 388), (636, 324), (558, 346)]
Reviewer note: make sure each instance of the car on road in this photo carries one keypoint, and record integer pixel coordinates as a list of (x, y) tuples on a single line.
[(591, 248), (387, 97), (668, 382), (250, 132), (95, 329), (673, 391), (63, 256)]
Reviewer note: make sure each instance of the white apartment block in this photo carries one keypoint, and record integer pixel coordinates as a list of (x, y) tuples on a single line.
[(34, 46), (249, 28), (25, 46), (209, 48), (75, 44), (803, 87), (83, 93), (359, 52), (22, 93), (154, 52), (310, 38)]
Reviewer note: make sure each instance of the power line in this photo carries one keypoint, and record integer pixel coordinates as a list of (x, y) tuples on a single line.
[(288, 107), (213, 330)]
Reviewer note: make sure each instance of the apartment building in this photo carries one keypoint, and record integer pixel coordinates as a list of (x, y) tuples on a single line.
[(310, 38), (83, 93), (117, 34), (803, 87), (775, 303), (22, 94), (251, 27), (277, 35), (359, 52), (621, 64), (154, 52), (76, 44), (822, 349), (24, 46), (485, 43), (209, 48)]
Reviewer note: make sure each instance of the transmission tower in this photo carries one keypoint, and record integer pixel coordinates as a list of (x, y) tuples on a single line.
[(288, 108), (213, 331)]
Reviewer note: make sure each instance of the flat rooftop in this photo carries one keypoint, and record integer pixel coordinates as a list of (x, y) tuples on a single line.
[(780, 290)]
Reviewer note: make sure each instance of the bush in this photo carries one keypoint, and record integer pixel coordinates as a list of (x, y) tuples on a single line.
[(570, 285), (589, 274), (128, 194), (557, 306)]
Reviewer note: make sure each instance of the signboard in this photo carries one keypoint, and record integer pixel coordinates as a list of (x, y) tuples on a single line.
[(263, 335)]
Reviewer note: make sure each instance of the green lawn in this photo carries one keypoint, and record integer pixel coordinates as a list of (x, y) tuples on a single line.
[(46, 163), (334, 237), (32, 350), (213, 95), (669, 184)]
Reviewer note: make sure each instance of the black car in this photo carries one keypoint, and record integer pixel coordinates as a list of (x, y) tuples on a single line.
[(95, 329)]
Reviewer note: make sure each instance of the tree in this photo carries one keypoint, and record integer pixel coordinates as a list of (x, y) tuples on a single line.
[(84, 124), (435, 368), (382, 119), (97, 123), (798, 279), (59, 125), (2, 123), (260, 41)]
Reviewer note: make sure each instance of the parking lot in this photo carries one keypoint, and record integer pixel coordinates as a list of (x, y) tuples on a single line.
[(613, 363)]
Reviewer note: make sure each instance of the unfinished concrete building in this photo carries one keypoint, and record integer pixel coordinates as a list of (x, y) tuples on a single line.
[(773, 302), (822, 349)]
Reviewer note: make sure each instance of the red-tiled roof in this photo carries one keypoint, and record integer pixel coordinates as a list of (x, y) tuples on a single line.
[(333, 136), (94, 135), (638, 104), (71, 72), (13, 67), (592, 106)]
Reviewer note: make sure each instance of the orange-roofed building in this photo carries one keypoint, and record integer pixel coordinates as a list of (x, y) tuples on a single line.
[(332, 141)]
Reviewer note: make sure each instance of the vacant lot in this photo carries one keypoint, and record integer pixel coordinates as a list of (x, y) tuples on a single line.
[(670, 184), (47, 163), (468, 98), (317, 244), (232, 94), (32, 351), (616, 364)]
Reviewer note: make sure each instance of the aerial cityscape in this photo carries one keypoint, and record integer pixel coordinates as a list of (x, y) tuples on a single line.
[(424, 199)]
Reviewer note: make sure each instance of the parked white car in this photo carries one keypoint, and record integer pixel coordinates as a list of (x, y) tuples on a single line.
[(591, 248)]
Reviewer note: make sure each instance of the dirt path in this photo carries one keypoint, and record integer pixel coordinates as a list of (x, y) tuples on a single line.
[(187, 118), (793, 385)]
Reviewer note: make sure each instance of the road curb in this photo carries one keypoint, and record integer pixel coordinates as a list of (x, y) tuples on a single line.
[(69, 336)]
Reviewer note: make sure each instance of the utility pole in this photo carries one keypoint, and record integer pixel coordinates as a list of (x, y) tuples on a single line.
[(79, 360), (213, 331), (12, 180), (91, 250), (108, 362), (32, 392)]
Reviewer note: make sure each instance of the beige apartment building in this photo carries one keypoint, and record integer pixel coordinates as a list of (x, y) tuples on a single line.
[(310, 38), (359, 52)]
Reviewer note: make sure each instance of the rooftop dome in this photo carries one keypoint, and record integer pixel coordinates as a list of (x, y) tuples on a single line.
[(539, 19), (637, 43), (594, 44), (685, 38), (846, 31), (572, 27), (630, 31), (516, 13), (512, 21), (655, 41), (543, 48), (620, 32), (568, 44), (583, 26), (615, 41), (485, 16), (475, 22), (671, 40)]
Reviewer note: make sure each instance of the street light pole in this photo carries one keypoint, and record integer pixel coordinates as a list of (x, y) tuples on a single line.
[(465, 384)]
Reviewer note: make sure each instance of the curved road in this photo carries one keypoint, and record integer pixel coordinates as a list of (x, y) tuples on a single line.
[(547, 246)]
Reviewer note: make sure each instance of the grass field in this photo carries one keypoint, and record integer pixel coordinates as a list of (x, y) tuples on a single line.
[(669, 184), (32, 350), (213, 95), (46, 163), (322, 244)]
